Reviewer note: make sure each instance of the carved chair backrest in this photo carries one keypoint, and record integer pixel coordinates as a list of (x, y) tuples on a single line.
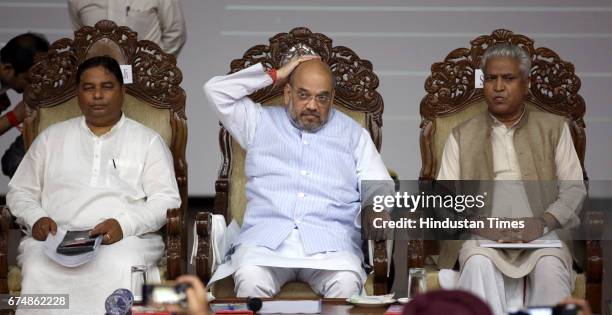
[(154, 99), (452, 97)]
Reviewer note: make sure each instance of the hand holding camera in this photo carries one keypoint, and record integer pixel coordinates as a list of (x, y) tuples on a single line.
[(187, 296)]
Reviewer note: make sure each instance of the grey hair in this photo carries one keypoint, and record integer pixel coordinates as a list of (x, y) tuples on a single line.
[(507, 50)]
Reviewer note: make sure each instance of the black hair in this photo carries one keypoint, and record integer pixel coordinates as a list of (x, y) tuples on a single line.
[(108, 63), (20, 51)]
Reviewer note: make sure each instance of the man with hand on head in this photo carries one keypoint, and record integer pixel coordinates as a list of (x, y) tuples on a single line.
[(100, 171), (304, 164)]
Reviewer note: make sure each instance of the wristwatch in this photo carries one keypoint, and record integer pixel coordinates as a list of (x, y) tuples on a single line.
[(545, 230)]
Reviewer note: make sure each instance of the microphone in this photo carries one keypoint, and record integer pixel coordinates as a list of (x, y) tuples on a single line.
[(253, 304), (119, 302)]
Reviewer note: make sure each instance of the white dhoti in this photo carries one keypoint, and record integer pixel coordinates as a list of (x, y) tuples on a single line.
[(547, 283), (88, 285), (261, 272), (260, 281), (508, 279)]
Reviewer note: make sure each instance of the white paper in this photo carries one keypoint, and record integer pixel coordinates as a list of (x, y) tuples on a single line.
[(126, 70), (478, 79), (70, 261), (291, 307), (371, 299), (532, 244)]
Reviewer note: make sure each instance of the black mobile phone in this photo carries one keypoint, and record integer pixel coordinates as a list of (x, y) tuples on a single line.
[(76, 242)]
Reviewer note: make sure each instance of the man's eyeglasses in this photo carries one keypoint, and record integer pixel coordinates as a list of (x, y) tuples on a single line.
[(323, 100)]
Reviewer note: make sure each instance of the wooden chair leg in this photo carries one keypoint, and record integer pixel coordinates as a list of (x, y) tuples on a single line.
[(380, 268), (203, 258), (594, 275), (173, 243), (5, 226)]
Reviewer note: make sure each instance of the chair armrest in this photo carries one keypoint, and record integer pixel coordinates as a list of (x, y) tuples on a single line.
[(594, 223), (173, 243), (203, 255), (381, 280)]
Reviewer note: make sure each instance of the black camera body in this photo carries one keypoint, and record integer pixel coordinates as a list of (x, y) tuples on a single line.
[(568, 309)]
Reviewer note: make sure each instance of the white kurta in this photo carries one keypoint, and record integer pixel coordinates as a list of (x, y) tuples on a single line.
[(79, 180), (240, 116), (489, 284), (160, 21)]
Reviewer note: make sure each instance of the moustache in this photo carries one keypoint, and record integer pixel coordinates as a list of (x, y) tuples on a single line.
[(312, 113)]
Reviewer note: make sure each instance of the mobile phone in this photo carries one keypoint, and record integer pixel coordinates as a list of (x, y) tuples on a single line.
[(161, 295), (569, 309)]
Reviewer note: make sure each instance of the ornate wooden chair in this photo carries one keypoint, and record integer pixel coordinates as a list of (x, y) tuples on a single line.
[(356, 96), (452, 98), (154, 99)]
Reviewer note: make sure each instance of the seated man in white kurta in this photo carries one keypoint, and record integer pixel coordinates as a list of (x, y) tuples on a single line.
[(524, 147), (100, 171), (304, 163)]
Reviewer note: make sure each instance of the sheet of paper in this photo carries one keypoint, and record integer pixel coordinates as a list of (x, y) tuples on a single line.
[(478, 79), (126, 71), (532, 244), (291, 307)]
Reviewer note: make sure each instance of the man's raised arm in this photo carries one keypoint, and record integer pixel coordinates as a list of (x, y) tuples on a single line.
[(228, 96)]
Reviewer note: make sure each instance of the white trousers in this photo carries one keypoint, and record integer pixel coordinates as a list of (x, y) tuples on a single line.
[(547, 284), (88, 285), (260, 281)]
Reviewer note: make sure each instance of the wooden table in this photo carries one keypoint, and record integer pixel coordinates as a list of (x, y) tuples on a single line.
[(330, 306)]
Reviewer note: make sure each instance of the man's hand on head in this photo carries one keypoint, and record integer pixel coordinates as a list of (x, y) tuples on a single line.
[(283, 74), (42, 227), (367, 223), (110, 230)]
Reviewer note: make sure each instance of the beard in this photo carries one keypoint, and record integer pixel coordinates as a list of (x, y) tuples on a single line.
[(300, 122)]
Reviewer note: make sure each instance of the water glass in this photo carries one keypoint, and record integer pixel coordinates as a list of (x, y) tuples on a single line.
[(417, 282), (139, 278)]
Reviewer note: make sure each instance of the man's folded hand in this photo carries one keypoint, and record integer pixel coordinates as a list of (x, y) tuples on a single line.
[(42, 227), (110, 230), (367, 223), (494, 234), (534, 229)]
